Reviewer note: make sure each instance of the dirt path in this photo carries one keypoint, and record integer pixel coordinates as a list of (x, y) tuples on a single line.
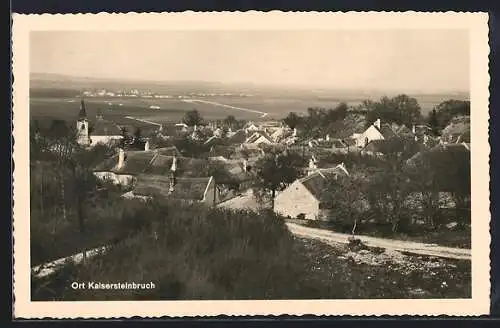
[(49, 268), (398, 245), (213, 103)]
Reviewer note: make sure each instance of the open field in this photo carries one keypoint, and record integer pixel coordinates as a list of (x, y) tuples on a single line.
[(58, 97), (172, 110)]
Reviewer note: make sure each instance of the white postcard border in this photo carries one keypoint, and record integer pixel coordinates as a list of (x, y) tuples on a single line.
[(476, 23)]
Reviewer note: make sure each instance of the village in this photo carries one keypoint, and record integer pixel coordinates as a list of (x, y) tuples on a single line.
[(350, 175), (146, 168)]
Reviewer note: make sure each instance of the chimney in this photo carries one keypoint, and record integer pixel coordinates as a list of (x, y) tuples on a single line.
[(121, 158), (413, 129), (327, 137), (195, 128), (377, 123), (245, 165), (294, 132), (173, 168), (146, 145)]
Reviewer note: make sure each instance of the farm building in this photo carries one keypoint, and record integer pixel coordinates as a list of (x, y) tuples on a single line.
[(376, 131), (305, 197), (199, 190), (124, 167)]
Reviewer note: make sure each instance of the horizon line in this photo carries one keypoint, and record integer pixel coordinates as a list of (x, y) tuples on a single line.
[(256, 84)]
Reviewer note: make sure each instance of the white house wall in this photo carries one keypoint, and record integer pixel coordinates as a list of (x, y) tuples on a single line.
[(118, 179), (296, 199), (371, 134), (103, 139)]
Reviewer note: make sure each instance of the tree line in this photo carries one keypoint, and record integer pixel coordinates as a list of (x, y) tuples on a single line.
[(401, 109)]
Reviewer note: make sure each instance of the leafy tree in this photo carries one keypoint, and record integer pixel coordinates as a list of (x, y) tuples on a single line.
[(192, 118), (434, 122), (230, 122), (346, 197), (292, 120), (401, 109), (275, 171), (389, 184), (451, 108), (138, 133)]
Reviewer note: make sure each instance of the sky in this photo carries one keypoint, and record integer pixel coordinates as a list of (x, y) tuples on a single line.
[(416, 60)]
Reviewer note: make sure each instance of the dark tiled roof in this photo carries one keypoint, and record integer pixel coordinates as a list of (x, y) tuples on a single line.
[(184, 188), (238, 137), (374, 146), (168, 151), (386, 131), (339, 144), (135, 162), (350, 142), (221, 150), (105, 128), (186, 166), (317, 183)]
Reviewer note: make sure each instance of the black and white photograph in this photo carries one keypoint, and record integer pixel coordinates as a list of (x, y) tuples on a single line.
[(253, 164)]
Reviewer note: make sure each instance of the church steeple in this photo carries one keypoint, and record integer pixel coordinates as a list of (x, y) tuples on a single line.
[(98, 116), (82, 127), (83, 113)]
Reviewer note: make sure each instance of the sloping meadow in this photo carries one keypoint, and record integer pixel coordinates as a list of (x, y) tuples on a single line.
[(187, 252)]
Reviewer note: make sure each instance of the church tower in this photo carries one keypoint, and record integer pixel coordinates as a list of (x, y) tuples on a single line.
[(82, 126)]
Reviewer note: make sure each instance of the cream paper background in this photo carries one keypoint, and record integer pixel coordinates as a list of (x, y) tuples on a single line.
[(476, 23)]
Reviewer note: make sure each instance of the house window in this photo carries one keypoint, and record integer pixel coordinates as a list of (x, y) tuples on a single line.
[(83, 126)]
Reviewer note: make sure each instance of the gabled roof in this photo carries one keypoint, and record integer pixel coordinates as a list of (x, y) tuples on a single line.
[(317, 183), (135, 162), (186, 166), (256, 135), (184, 188), (238, 137), (169, 151), (374, 146), (350, 142), (103, 127), (386, 131)]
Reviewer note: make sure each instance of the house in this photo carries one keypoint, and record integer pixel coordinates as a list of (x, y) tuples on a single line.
[(251, 127), (104, 132), (306, 196), (169, 151), (258, 138), (374, 148), (125, 166), (238, 137), (182, 127), (376, 131), (191, 190)]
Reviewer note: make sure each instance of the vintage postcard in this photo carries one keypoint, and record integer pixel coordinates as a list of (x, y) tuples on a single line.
[(203, 164)]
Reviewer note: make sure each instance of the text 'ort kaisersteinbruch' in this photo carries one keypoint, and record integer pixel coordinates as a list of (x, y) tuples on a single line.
[(93, 285)]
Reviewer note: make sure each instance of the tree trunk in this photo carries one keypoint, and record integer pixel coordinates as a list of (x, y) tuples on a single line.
[(41, 194), (272, 198), (80, 198), (63, 195)]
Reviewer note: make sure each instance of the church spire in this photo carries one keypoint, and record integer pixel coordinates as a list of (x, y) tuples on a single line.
[(83, 113)]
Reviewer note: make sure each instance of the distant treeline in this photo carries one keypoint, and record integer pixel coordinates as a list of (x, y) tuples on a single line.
[(53, 93)]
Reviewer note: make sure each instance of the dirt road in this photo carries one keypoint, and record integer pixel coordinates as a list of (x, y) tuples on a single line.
[(393, 244)]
